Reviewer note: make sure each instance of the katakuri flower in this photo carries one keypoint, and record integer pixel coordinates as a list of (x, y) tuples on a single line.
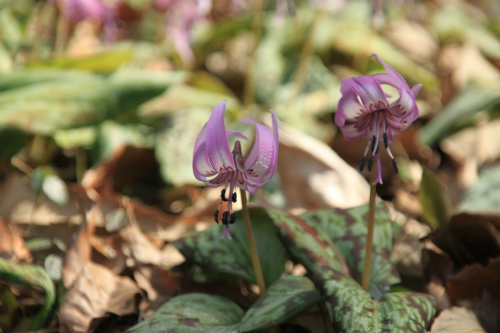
[(364, 111), (213, 158)]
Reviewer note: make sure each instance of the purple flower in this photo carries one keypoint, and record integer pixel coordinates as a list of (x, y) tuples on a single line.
[(213, 158), (78, 10), (180, 16), (364, 111)]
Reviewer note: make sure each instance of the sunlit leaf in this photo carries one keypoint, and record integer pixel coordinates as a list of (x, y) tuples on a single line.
[(284, 299), (193, 313)]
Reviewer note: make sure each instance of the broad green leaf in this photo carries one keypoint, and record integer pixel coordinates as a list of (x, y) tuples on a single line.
[(458, 112), (46, 107), (347, 228), (285, 298), (484, 195), (232, 256), (193, 313), (21, 78), (11, 29), (436, 203), (35, 276), (104, 62), (351, 309)]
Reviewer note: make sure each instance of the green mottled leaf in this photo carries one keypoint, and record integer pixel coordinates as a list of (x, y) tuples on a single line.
[(484, 195), (284, 299), (193, 313), (232, 256), (350, 308), (35, 276), (436, 203), (458, 112), (347, 228)]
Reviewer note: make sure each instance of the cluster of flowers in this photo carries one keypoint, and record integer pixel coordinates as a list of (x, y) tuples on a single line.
[(363, 111)]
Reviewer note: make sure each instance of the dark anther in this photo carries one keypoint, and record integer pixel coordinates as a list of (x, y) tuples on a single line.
[(370, 163), (233, 218), (386, 141), (234, 197), (395, 165), (223, 195), (216, 215), (224, 218), (373, 142), (362, 163)]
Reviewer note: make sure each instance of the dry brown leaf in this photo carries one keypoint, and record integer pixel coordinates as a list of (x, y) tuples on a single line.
[(314, 176), (79, 251), (96, 293), (159, 283), (457, 320), (413, 38), (12, 243), (472, 281)]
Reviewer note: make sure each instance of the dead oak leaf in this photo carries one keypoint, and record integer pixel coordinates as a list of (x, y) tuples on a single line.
[(96, 293)]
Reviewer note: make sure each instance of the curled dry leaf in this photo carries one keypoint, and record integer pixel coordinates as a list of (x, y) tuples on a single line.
[(159, 283), (472, 281), (96, 293), (314, 176), (457, 320)]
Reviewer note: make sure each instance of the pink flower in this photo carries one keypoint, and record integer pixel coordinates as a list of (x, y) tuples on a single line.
[(364, 111), (213, 158)]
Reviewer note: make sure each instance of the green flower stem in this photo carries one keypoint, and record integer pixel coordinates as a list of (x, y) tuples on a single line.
[(254, 255), (365, 282), (258, 25)]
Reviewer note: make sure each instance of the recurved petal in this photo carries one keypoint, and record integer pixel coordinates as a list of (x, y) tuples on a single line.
[(201, 165), (349, 107), (259, 162), (391, 71), (218, 151), (236, 134), (369, 91), (415, 89), (405, 108), (351, 132)]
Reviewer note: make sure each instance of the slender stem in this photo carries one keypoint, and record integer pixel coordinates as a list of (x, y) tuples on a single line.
[(254, 255), (365, 282), (258, 25)]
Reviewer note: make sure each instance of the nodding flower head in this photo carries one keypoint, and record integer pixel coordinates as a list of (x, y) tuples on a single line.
[(364, 111), (215, 164)]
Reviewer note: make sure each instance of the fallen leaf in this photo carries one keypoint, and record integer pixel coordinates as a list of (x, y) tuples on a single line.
[(313, 176), (12, 243), (96, 293), (159, 283), (457, 320), (472, 281)]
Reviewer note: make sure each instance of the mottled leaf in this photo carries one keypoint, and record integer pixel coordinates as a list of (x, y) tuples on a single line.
[(351, 309), (284, 299), (35, 276), (193, 313), (232, 256), (484, 195), (436, 203), (347, 228)]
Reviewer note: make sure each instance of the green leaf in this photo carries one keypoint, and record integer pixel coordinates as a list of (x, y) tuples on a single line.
[(35, 276), (193, 313), (286, 298), (484, 195), (46, 107), (351, 309), (458, 112), (347, 228), (232, 256), (104, 62), (436, 203), (22, 78)]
